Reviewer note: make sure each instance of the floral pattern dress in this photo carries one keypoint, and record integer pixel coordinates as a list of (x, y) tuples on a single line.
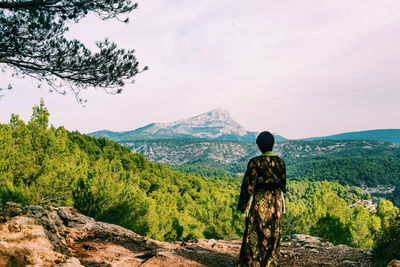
[(262, 197)]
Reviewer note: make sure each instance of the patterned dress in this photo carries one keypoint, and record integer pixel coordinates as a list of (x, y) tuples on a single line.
[(262, 197)]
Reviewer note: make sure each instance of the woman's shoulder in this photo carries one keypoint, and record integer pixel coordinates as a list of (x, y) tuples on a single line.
[(266, 158), (280, 159)]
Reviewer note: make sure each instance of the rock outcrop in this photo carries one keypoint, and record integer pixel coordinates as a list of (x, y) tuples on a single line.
[(394, 263), (36, 236)]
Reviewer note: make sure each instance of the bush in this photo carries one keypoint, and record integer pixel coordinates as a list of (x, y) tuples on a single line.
[(8, 192), (388, 243)]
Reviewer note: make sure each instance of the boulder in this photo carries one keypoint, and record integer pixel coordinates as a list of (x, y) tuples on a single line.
[(394, 263)]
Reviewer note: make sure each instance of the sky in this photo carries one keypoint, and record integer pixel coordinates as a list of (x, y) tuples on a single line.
[(296, 68)]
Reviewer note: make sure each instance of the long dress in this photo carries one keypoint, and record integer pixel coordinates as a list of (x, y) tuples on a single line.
[(263, 186)]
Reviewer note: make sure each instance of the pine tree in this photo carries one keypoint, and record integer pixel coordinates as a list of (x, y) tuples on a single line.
[(40, 115), (32, 43)]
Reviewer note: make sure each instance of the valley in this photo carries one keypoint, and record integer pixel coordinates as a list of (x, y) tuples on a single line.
[(368, 159), (361, 163)]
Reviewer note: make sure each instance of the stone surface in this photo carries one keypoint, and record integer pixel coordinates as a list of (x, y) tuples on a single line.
[(36, 236)]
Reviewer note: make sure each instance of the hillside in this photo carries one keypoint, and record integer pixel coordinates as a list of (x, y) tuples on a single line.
[(41, 165), (387, 135), (216, 124), (361, 163), (32, 235)]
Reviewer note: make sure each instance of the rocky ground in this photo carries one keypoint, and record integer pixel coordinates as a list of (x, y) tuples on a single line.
[(36, 236)]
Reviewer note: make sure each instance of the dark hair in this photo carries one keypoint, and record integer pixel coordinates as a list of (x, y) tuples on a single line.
[(265, 141)]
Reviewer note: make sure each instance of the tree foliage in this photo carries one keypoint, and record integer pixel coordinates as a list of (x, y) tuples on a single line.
[(360, 171), (388, 242), (325, 209), (32, 43), (204, 171)]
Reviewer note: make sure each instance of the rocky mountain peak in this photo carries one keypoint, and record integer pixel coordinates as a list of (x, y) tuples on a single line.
[(216, 124), (218, 114), (212, 124)]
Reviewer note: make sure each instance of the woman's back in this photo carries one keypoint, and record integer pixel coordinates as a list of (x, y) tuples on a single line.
[(270, 172)]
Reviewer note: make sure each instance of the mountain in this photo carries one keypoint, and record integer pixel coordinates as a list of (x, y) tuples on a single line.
[(387, 135), (216, 124), (216, 143)]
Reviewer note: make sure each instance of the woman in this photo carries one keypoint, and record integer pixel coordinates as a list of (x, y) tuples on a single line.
[(261, 198)]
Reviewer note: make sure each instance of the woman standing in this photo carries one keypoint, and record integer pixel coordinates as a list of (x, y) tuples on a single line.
[(261, 198)]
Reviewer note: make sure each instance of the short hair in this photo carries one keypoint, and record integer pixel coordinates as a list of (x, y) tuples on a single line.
[(265, 141)]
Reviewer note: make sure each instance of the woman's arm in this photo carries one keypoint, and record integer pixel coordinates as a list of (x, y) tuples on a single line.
[(246, 190), (283, 178)]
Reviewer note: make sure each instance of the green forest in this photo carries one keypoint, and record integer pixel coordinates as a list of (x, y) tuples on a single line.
[(203, 171), (361, 171), (44, 165)]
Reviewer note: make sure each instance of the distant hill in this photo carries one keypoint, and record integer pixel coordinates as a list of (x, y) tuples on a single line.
[(361, 163), (216, 124), (387, 135)]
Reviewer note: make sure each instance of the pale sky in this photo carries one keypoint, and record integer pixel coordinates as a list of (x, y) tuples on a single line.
[(297, 68)]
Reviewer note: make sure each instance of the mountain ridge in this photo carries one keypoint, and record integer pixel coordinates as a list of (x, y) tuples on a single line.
[(387, 135), (216, 124)]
